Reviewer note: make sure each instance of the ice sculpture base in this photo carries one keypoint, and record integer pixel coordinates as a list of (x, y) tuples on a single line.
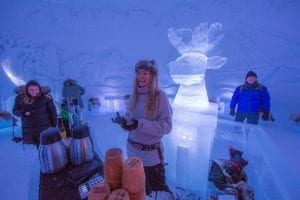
[(188, 147)]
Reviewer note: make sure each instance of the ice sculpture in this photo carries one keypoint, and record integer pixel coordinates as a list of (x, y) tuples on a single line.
[(194, 117), (188, 70)]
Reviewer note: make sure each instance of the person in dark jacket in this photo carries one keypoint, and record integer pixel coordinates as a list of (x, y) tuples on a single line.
[(251, 98), (37, 111), (72, 90), (228, 177)]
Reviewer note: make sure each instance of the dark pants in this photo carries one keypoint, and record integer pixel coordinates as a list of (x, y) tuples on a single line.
[(251, 118), (32, 137), (156, 179)]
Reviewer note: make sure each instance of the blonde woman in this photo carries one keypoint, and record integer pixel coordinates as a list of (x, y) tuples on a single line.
[(148, 119)]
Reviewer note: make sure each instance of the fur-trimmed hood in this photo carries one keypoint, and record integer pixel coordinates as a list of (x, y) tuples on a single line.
[(22, 90)]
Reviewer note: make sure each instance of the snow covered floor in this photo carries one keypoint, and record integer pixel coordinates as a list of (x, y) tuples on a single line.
[(19, 177), (271, 173)]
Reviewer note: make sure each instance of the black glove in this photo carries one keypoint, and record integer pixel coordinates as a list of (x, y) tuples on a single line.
[(119, 120), (130, 127), (232, 112), (123, 122), (265, 116)]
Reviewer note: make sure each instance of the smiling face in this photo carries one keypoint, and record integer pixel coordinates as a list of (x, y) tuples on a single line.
[(33, 90), (143, 77)]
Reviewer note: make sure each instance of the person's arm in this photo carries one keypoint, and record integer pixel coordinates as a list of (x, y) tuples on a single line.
[(163, 122), (17, 109), (235, 98), (52, 110), (265, 99), (81, 90)]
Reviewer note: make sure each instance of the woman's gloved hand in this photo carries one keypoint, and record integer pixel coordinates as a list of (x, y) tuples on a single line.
[(124, 123), (118, 119)]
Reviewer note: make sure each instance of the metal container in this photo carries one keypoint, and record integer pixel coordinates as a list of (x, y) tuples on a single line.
[(81, 148), (52, 152)]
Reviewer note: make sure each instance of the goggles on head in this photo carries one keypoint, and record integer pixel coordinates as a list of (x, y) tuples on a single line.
[(147, 65)]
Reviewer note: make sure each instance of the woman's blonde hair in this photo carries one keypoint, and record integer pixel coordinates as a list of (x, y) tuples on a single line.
[(154, 88)]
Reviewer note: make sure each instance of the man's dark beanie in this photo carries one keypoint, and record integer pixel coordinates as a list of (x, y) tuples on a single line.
[(251, 73)]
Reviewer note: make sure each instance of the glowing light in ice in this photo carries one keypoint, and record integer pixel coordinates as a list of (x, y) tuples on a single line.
[(17, 81)]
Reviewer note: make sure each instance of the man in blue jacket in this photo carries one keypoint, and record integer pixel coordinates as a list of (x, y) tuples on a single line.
[(250, 98)]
